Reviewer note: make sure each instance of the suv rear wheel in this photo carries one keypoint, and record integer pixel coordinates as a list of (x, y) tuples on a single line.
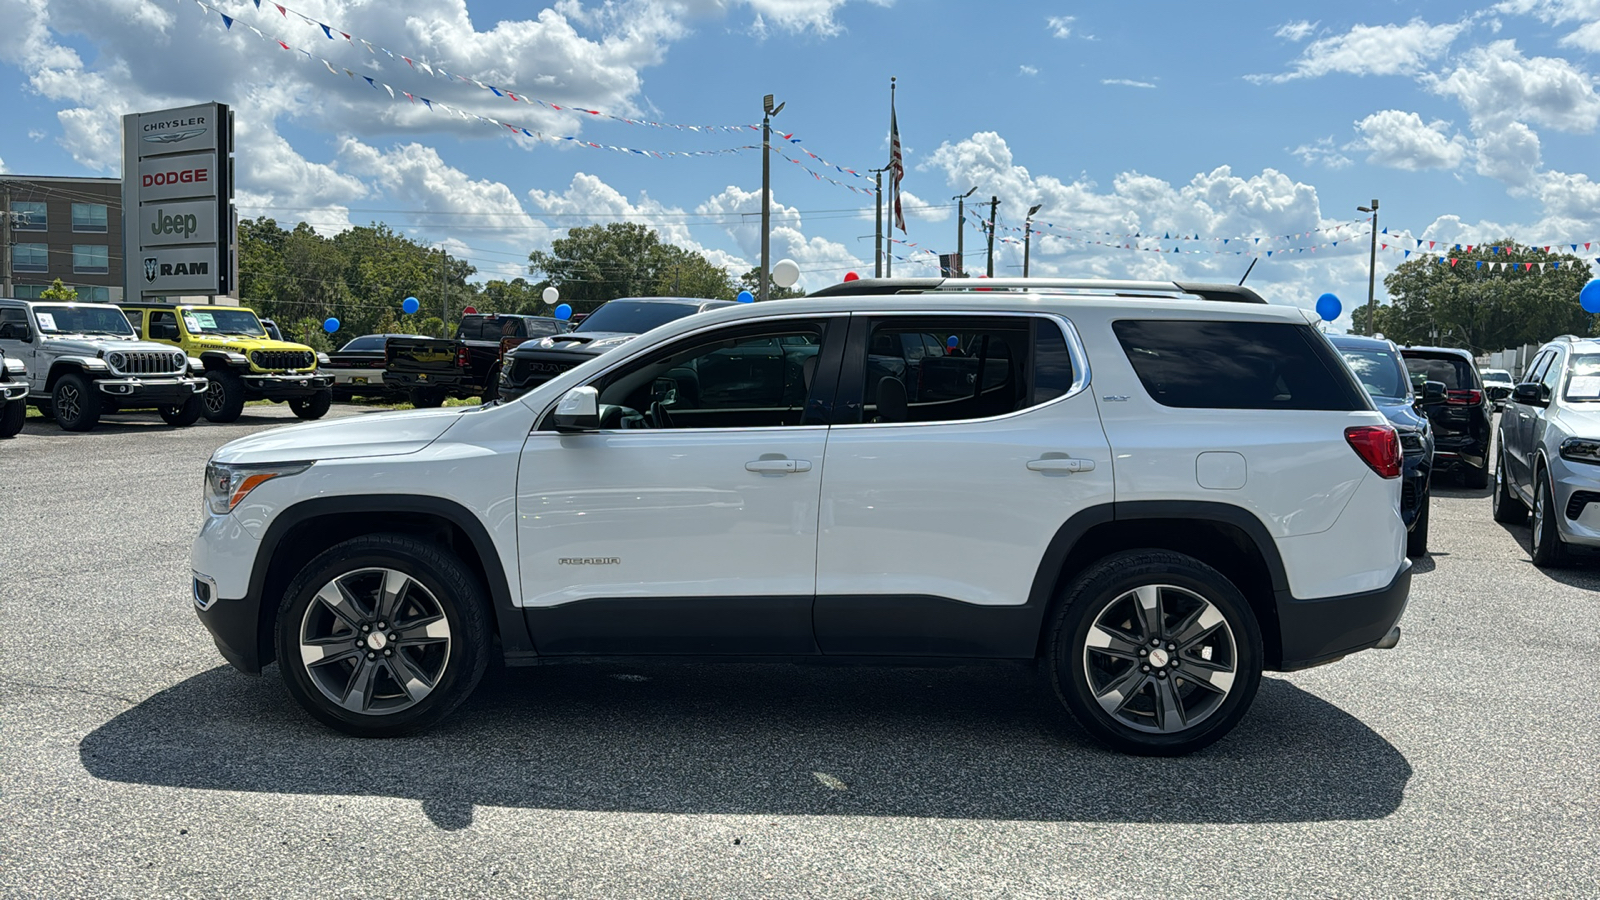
[(383, 635), (224, 396), (76, 402), (427, 397), (313, 407), (1155, 653)]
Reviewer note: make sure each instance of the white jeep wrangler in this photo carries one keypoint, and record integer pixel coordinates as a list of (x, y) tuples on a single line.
[(1155, 490)]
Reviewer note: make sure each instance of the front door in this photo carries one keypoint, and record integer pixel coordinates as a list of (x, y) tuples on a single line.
[(687, 524)]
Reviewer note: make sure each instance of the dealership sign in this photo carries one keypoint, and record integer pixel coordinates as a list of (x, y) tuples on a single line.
[(177, 202)]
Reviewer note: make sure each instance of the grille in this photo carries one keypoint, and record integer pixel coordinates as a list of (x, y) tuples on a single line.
[(282, 359), (146, 362), (534, 372), (1578, 501), (1410, 442)]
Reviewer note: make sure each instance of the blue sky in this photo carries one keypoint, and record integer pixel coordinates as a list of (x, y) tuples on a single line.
[(1469, 123)]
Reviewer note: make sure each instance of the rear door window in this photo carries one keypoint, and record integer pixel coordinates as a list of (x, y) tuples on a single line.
[(1238, 365)]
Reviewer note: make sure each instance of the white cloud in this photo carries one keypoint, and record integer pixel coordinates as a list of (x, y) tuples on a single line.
[(1509, 154), (1323, 152), (1027, 70), (1295, 31), (916, 208), (1060, 26), (1401, 140), (1372, 50), (1563, 12), (1497, 84), (588, 200), (821, 261), (1125, 82)]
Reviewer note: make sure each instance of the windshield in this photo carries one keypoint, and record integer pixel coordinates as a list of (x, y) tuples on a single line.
[(1583, 382), (223, 321), (634, 316), (69, 319), (1379, 372), (1456, 373)]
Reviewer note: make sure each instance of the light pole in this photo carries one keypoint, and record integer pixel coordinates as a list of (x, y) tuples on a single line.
[(994, 218), (767, 112), (1372, 270), (1027, 237), (877, 231), (961, 231)]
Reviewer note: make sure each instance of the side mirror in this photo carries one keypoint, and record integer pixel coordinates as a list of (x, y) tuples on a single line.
[(1433, 392), (1528, 394), (579, 410)]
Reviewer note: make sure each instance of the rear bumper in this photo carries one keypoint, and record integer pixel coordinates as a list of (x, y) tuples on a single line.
[(287, 387), (405, 381), (1322, 630)]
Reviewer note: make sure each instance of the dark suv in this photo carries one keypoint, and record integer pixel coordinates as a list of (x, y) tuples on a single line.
[(1461, 424)]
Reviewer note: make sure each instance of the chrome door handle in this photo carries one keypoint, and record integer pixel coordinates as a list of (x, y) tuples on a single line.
[(777, 466), (1061, 464)]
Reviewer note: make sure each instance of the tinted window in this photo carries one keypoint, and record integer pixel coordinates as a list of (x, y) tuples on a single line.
[(972, 368), (1455, 372), (1378, 371), (88, 217), (13, 323), (1584, 383), (369, 342), (542, 327), (1052, 363), (1237, 365), (634, 316), (163, 326), (1536, 368)]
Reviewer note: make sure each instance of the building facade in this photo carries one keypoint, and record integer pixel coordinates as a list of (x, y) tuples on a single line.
[(66, 228)]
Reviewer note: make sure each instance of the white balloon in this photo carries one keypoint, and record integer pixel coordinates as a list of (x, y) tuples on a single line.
[(551, 295), (785, 272)]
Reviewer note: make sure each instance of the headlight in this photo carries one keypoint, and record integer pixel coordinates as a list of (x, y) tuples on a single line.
[(322, 358), (15, 367), (116, 359), (226, 485), (1584, 450), (197, 365)]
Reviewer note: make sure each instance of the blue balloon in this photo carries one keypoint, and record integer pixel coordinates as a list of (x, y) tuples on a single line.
[(1329, 307), (952, 342), (331, 325), (410, 305), (1589, 297), (746, 297), (564, 311)]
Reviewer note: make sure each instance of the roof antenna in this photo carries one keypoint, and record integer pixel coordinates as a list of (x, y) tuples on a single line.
[(1247, 271)]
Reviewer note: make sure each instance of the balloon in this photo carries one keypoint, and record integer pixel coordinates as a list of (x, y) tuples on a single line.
[(746, 297), (1329, 307), (952, 342), (551, 295), (470, 310), (851, 276), (410, 305), (564, 311), (1589, 297), (785, 272), (331, 325)]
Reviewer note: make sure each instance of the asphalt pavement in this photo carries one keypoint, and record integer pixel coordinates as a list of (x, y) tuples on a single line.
[(134, 763)]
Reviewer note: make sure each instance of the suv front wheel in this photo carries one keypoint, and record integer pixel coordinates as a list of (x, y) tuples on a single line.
[(1155, 653), (224, 396), (383, 635)]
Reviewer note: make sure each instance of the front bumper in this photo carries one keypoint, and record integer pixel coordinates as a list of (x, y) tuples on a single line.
[(1576, 490), (287, 387), (151, 391), (13, 390), (1318, 631), (221, 561)]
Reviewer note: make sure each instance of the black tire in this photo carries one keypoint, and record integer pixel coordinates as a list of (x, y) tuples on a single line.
[(449, 591), (1184, 589), (1544, 539), (76, 402), (427, 398), (1508, 507), (1417, 537), (224, 396), (312, 407), (185, 415), (491, 388), (12, 419), (1475, 477)]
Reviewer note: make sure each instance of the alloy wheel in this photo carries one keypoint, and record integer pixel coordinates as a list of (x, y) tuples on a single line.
[(1538, 518), (1160, 658), (215, 397), (68, 403), (375, 641)]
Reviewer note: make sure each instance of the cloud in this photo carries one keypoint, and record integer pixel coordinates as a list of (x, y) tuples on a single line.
[(1563, 12), (1295, 31), (801, 15), (821, 261), (1060, 26), (588, 200), (1401, 140), (1124, 82), (917, 209), (1510, 154), (1497, 84), (1027, 70), (1372, 50), (1322, 152)]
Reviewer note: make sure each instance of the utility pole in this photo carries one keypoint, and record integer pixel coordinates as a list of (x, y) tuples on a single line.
[(5, 240), (877, 231), (994, 219), (961, 231), (1027, 237), (1372, 270), (444, 299), (767, 112)]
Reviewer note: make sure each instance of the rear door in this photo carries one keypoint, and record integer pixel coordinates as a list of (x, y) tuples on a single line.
[(940, 497)]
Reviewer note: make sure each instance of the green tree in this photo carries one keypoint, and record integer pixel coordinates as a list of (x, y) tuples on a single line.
[(58, 291), (596, 263), (515, 297), (1472, 303), (309, 331)]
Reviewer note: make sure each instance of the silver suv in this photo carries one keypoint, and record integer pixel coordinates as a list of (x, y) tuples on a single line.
[(83, 359), (1550, 450)]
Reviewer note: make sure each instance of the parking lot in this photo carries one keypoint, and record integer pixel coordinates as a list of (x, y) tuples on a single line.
[(135, 763)]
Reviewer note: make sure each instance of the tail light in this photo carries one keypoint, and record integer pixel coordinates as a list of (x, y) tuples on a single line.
[(1464, 398), (463, 358), (1378, 446)]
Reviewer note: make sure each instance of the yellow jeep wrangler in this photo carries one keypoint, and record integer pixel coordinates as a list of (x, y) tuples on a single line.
[(241, 362)]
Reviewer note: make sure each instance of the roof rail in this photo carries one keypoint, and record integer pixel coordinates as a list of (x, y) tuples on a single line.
[(1228, 293)]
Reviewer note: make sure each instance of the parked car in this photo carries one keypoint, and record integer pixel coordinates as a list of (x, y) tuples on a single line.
[(610, 326), (83, 360), (1497, 383), (271, 329), (1462, 424), (1218, 498), (241, 363), (430, 369), (1549, 458), (13, 395), (357, 367), (1377, 365)]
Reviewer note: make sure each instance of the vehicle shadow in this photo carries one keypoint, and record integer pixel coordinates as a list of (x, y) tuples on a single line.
[(1583, 566), (773, 740)]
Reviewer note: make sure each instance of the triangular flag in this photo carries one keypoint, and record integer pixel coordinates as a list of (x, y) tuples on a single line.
[(326, 30), (227, 21), (1408, 254), (331, 70), (390, 90), (1453, 262), (283, 45), (283, 11), (371, 82), (1479, 265)]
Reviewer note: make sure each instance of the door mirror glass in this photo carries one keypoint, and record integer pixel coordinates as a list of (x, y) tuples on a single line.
[(1433, 392), (1528, 393), (579, 410)]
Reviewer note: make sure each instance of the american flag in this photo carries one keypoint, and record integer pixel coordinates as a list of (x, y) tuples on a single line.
[(897, 168)]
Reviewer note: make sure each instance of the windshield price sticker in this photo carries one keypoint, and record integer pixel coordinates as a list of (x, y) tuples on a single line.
[(1587, 386), (47, 322), (191, 323), (205, 320)]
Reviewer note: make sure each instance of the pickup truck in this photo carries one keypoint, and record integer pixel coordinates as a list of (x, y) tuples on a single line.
[(430, 369)]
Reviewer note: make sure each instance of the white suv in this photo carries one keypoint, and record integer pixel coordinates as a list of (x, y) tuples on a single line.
[(1155, 490)]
